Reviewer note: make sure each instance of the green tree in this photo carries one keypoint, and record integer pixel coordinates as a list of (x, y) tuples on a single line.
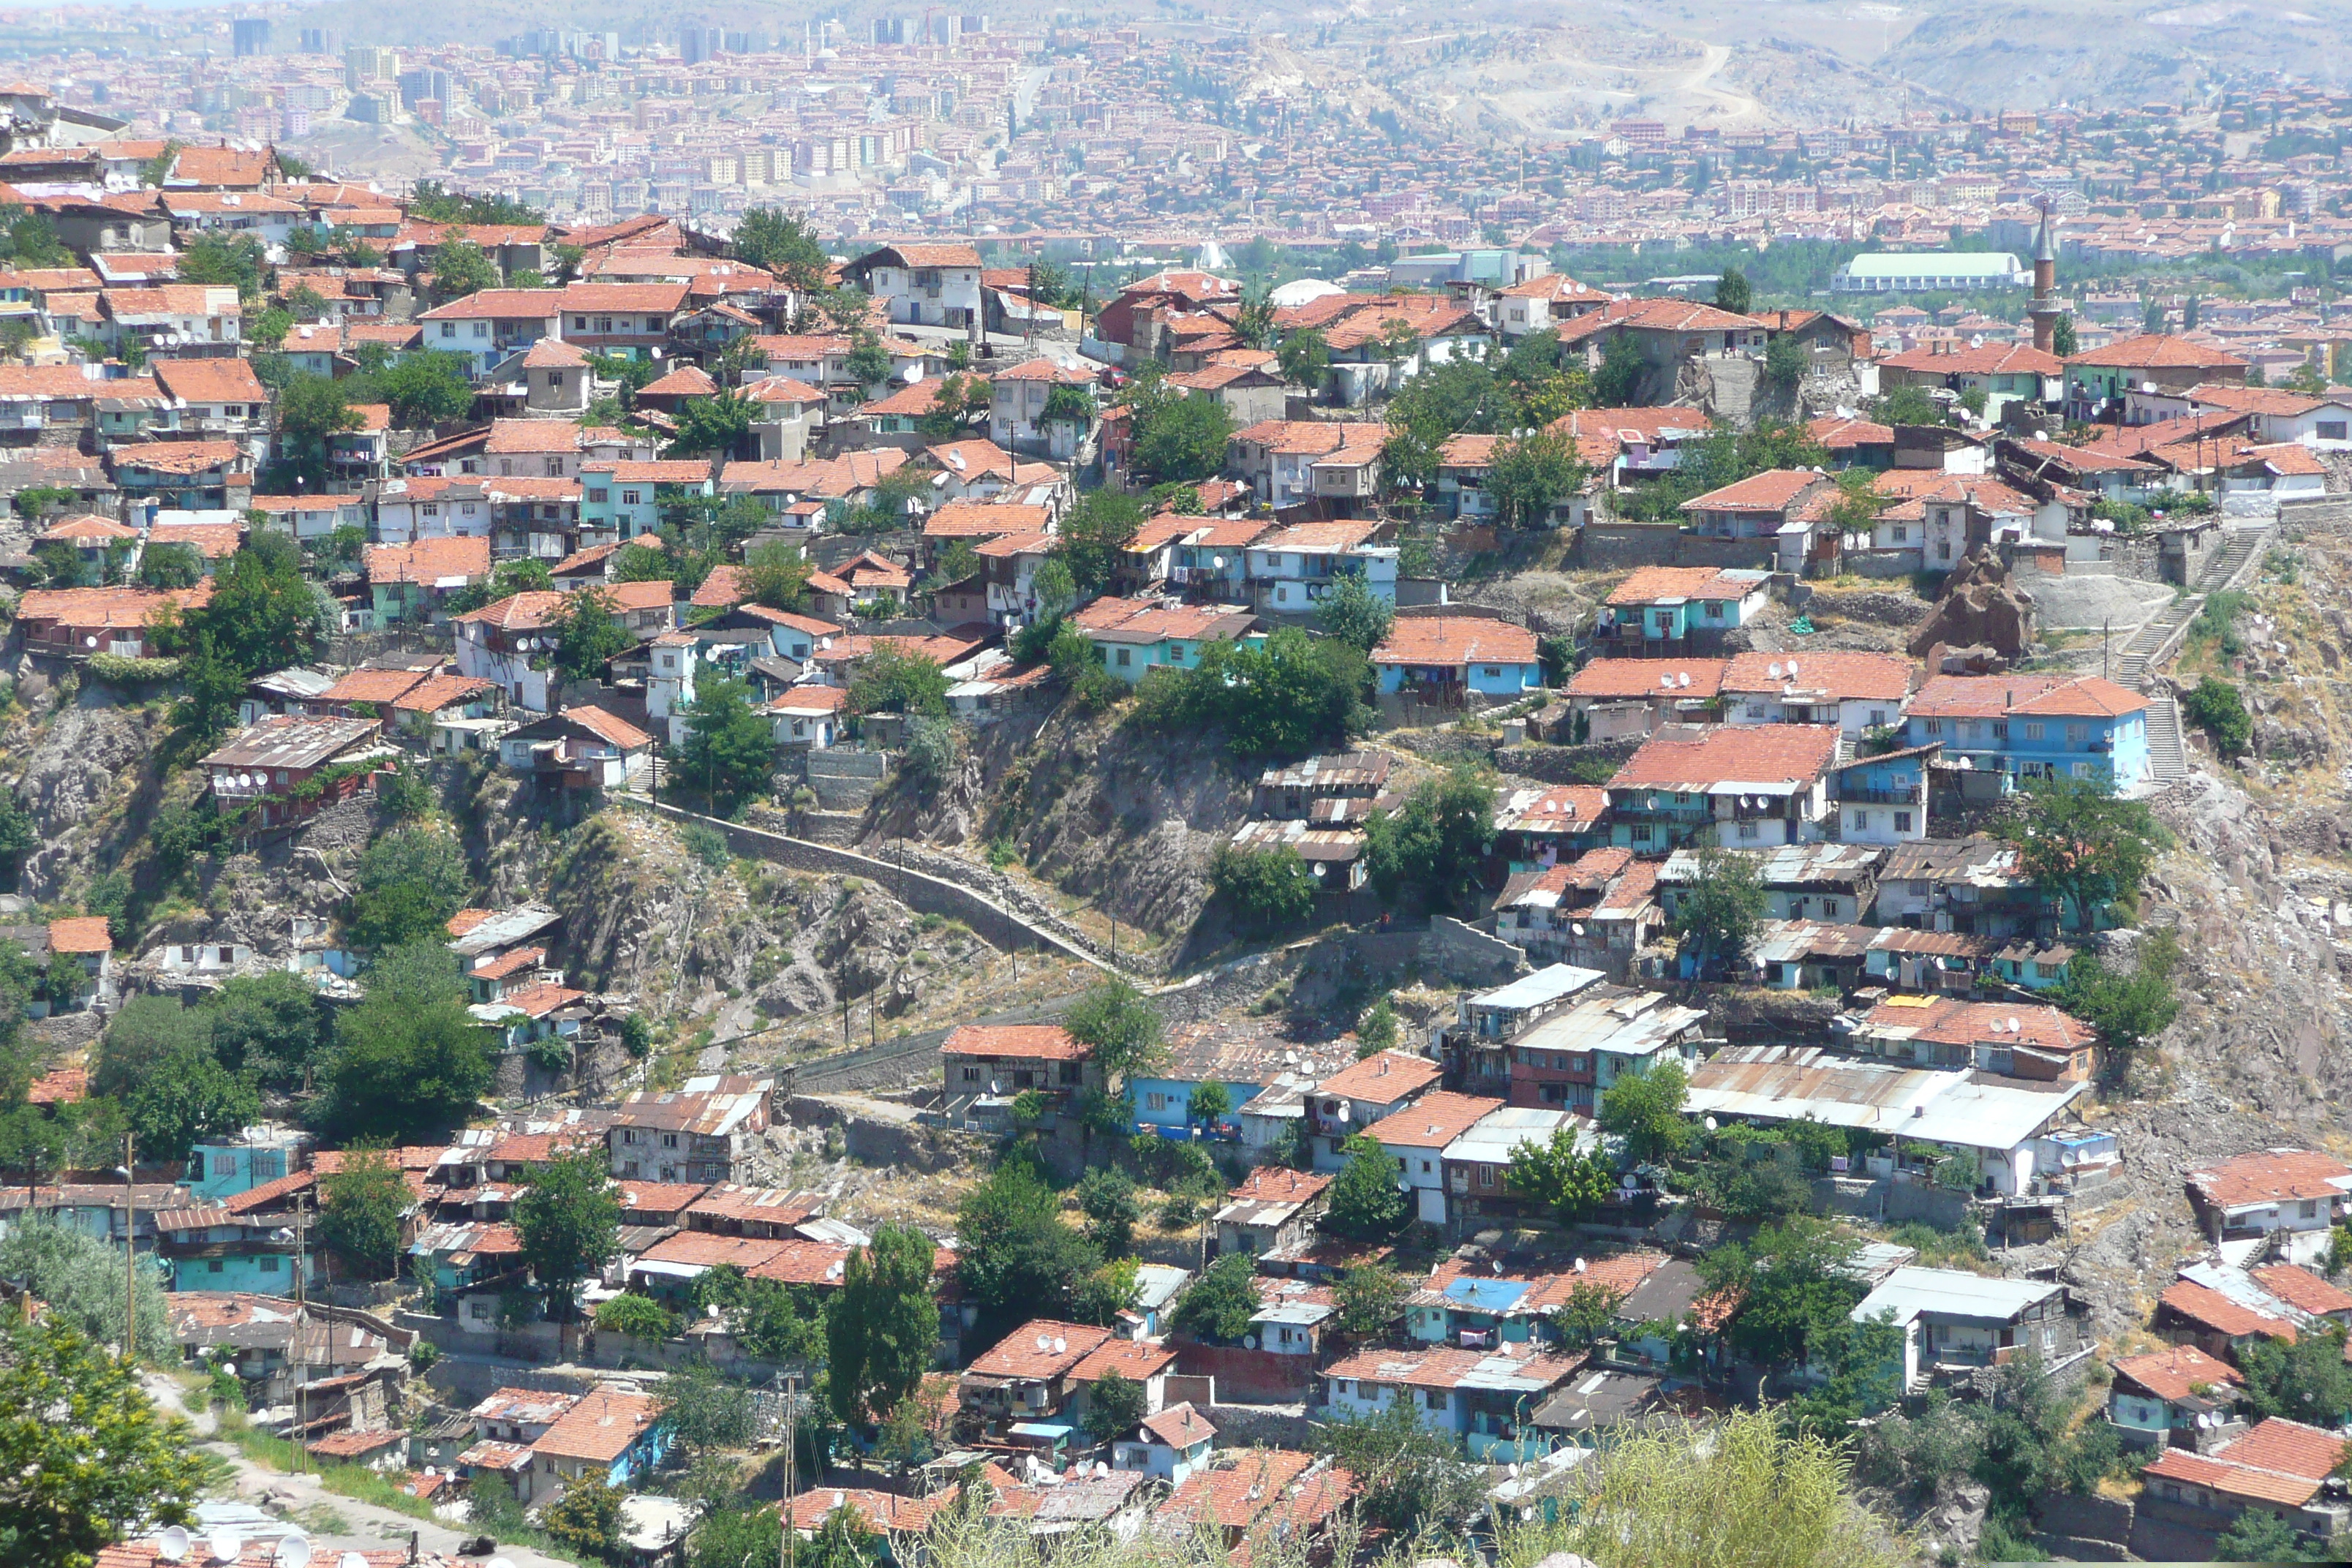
[(1287, 696), (2215, 706), (586, 1517), (1106, 1292), (635, 1317), (1018, 1260), (1220, 1304), (718, 424), (1905, 405), (1409, 1478), (882, 1329), (2063, 341), (1795, 1280), (86, 1451), (891, 682), (2258, 1535), (588, 633), (730, 750), (569, 1223), (776, 574), (268, 1024), (1370, 1299), (1587, 1316), (224, 260), (269, 331), (461, 267), (263, 616), (1531, 474), (1182, 440), (1646, 1109), (169, 565), (424, 389), (1376, 1031), (1267, 889), (2308, 1380), (409, 883), (1119, 1028), (1717, 913), (79, 1280), (783, 244), (1115, 1405), (1305, 359), (1618, 381), (1364, 1203), (2079, 843), (1432, 850), (1744, 1489), (1210, 1104), (312, 411), (408, 1061), (360, 1205), (27, 238), (1784, 364), (708, 1410), (1106, 1198), (2128, 1006), (1354, 614), (186, 1095), (1093, 538), (1731, 291), (147, 1030), (1570, 1181)]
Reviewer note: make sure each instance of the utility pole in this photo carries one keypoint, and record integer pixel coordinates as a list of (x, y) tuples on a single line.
[(130, 1247), (784, 1553), (302, 1328)]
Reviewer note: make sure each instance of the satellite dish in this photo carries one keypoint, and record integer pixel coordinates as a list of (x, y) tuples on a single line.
[(172, 1546), (1249, 1341), (1576, 926), (2015, 1027), (1682, 677), (351, 1560), (1792, 670), (89, 642), (294, 1551), (1710, 1124), (227, 1545), (1774, 670)]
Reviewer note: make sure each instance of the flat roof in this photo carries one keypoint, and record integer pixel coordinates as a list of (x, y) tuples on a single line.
[(1950, 1293), (1547, 984)]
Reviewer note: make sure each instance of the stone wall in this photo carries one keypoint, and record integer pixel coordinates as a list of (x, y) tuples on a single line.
[(917, 889), (1463, 952), (1563, 764), (1906, 1200), (1258, 1377), (1622, 546)]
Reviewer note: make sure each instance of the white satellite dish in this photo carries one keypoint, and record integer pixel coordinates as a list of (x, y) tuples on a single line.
[(351, 1560), (1773, 670), (1577, 926), (2015, 1027), (1792, 670), (294, 1550), (227, 1545), (171, 1545), (1249, 1341), (1682, 677)]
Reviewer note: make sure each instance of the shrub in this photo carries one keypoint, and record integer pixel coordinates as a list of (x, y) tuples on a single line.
[(637, 1317), (707, 845), (1268, 889), (2216, 708)]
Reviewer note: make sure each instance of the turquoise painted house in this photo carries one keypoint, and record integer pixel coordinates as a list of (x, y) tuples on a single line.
[(1244, 1058), (620, 500), (1665, 610), (220, 1169), (1883, 799), (1442, 659), (2026, 727), (1133, 636)]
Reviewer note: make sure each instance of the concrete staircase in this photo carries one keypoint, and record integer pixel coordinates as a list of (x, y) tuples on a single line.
[(2168, 755), (2132, 665), (2236, 551)]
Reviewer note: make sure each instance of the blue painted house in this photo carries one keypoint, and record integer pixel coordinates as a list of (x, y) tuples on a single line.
[(1439, 659), (1135, 637), (221, 1168), (1665, 610), (614, 1437), (2023, 727), (1243, 1058), (1883, 799)]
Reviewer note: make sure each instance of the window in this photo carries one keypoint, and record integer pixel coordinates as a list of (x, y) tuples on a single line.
[(1640, 832), (1175, 653), (1122, 660), (2034, 729), (2329, 429), (1492, 672), (1424, 1167), (448, 329), (1486, 1176), (598, 497), (1859, 820), (481, 329), (1748, 830), (1902, 822), (2078, 733), (214, 1266), (270, 1261), (971, 1074), (628, 498), (2309, 1209), (1935, 726), (1155, 1102), (1756, 709), (1714, 610), (1902, 534), (1434, 1398), (1829, 909), (1878, 717)]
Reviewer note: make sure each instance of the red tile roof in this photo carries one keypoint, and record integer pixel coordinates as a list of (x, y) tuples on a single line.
[(1432, 1121), (1652, 583), (2173, 1372), (2157, 351), (1452, 640), (1040, 1348), (1862, 677), (1695, 679), (2204, 1305), (2301, 1289), (1773, 490), (1020, 1042), (2271, 1175), (600, 1427), (1383, 1077), (80, 933), (1685, 760)]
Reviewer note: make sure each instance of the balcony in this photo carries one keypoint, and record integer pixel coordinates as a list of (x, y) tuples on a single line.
[(1857, 795)]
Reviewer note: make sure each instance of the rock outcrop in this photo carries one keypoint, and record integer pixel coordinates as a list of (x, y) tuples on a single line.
[(1980, 605)]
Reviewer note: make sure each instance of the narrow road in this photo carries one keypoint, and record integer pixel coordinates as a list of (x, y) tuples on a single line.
[(294, 1497)]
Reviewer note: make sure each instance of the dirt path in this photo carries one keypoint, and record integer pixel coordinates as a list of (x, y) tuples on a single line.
[(301, 1500)]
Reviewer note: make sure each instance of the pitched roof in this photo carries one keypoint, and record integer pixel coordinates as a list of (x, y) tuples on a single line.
[(2302, 1290), (600, 1428), (1841, 676), (1771, 491), (1652, 583), (1040, 1348), (1681, 759), (1432, 1121), (2271, 1175), (2203, 1304), (2047, 694), (1383, 1077), (2157, 351), (430, 560), (1692, 679), (1455, 640), (2172, 1371), (1028, 1042)]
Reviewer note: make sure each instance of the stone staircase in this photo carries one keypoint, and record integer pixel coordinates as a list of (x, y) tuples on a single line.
[(2168, 755), (2236, 551), (2146, 644)]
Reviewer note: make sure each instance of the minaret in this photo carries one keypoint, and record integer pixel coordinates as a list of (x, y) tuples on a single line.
[(2045, 310)]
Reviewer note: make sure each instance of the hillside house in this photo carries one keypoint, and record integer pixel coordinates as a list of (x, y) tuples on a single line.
[(1483, 1398), (1740, 788), (2296, 1195), (2034, 726), (699, 1132), (1661, 611), (1445, 662)]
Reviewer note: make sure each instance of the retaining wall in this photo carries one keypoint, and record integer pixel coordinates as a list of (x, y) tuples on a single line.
[(1258, 1377), (1907, 1201), (1622, 546), (1454, 949), (917, 889)]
